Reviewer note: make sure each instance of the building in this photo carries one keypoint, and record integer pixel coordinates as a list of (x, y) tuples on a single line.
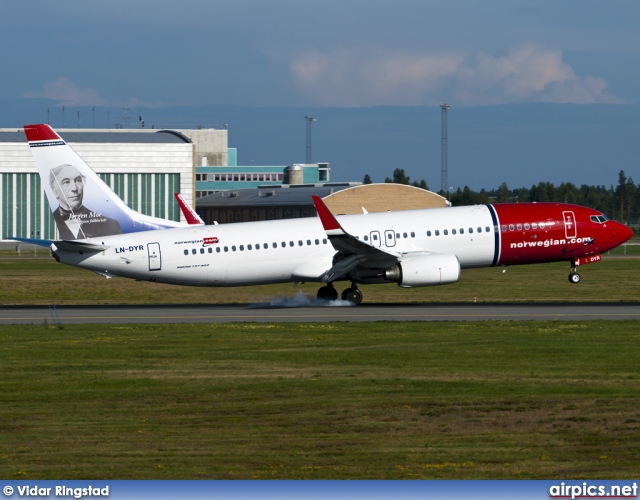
[(144, 167)]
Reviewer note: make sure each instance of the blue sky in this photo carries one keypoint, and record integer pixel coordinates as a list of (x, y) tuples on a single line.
[(334, 53)]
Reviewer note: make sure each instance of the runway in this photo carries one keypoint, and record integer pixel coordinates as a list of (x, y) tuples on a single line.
[(278, 314)]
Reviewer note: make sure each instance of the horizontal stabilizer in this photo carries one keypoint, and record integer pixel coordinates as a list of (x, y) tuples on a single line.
[(32, 241), (79, 246)]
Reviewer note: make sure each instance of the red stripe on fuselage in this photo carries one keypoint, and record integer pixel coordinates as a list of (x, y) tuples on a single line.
[(549, 232)]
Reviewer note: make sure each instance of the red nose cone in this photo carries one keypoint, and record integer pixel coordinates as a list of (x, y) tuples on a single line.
[(623, 233)]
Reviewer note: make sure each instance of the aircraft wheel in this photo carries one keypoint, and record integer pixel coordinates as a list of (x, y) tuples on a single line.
[(345, 293), (354, 296), (574, 278), (327, 293)]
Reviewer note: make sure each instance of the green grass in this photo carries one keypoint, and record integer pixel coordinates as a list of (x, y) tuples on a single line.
[(44, 281), (336, 400)]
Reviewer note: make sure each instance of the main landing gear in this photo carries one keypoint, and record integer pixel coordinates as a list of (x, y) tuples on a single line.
[(352, 294)]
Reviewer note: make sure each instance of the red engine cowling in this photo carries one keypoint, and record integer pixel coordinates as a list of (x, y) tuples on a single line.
[(425, 270)]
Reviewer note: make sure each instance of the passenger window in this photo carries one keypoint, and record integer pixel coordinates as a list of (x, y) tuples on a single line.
[(519, 226), (534, 226), (291, 243), (217, 249), (324, 241), (480, 229), (283, 244), (437, 232), (461, 231), (308, 242), (366, 238), (202, 250), (248, 247), (242, 248), (446, 232), (266, 245), (470, 230), (274, 245), (233, 248), (526, 226), (186, 252), (397, 236), (511, 227), (542, 225), (428, 233), (453, 231), (226, 249), (193, 251), (317, 242), (413, 235), (210, 250), (404, 235), (504, 228)]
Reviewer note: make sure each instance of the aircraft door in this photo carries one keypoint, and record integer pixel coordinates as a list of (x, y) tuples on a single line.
[(390, 238), (375, 239), (155, 259), (570, 228)]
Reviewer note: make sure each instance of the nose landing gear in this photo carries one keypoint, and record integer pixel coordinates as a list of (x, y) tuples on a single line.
[(574, 277)]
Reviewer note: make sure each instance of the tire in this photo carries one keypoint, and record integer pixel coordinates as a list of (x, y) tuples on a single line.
[(574, 278), (354, 296)]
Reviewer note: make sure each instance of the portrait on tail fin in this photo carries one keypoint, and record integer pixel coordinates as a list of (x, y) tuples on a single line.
[(73, 219)]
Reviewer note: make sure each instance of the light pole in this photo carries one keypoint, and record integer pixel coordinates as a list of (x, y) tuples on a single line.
[(309, 119)]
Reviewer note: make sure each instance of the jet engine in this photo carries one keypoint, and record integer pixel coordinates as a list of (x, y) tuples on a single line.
[(425, 270)]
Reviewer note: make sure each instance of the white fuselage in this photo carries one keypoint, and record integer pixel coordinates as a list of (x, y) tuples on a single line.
[(264, 252)]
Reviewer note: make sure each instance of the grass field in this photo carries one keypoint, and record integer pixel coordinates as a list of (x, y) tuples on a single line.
[(44, 281), (335, 400)]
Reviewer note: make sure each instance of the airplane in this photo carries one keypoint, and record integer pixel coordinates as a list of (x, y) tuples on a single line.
[(411, 248)]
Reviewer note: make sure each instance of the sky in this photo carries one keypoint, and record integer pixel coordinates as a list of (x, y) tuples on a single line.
[(335, 53), (332, 54)]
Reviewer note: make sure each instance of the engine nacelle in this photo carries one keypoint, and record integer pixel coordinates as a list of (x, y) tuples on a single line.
[(425, 270)]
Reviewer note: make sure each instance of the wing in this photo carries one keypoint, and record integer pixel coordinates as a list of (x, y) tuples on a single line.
[(352, 252)]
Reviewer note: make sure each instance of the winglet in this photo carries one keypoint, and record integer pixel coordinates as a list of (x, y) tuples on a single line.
[(329, 222), (189, 213)]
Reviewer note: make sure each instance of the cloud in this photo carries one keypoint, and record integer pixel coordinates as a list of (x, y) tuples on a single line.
[(68, 93), (358, 77)]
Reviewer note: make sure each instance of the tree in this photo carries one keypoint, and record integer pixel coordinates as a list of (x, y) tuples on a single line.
[(503, 194), (399, 177), (367, 179)]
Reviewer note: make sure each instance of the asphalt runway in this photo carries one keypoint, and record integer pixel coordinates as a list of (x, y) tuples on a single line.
[(265, 313)]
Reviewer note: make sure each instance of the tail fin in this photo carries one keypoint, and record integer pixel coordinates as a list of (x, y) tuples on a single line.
[(83, 205)]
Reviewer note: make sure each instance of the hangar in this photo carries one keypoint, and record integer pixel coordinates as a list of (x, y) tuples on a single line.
[(144, 167)]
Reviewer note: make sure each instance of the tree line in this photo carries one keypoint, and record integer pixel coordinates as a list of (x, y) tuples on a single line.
[(621, 202)]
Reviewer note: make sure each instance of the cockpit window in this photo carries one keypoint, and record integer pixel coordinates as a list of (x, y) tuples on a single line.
[(599, 219)]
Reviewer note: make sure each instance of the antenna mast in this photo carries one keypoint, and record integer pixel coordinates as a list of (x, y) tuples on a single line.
[(444, 186)]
